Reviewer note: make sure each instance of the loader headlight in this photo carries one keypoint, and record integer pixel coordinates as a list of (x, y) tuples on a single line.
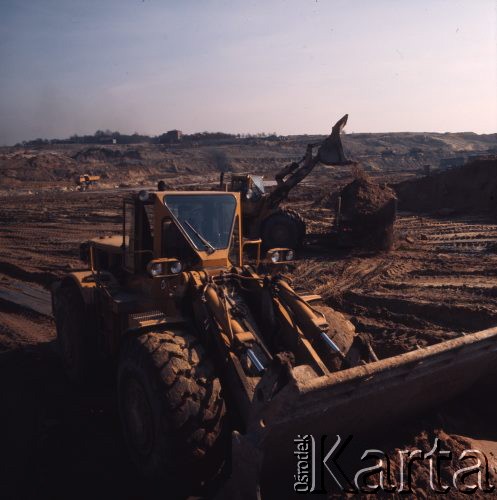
[(279, 256), (249, 194), (143, 195), (164, 267), (176, 267), (155, 269)]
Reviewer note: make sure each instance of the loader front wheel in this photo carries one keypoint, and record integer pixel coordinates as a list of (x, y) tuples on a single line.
[(299, 220), (171, 410), (283, 229)]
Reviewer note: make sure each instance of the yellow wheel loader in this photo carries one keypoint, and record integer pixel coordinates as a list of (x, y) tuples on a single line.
[(86, 181), (262, 215), (219, 360)]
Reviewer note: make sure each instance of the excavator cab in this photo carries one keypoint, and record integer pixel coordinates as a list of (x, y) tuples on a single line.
[(250, 186)]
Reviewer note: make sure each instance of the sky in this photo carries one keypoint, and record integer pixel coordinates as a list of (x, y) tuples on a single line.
[(289, 67)]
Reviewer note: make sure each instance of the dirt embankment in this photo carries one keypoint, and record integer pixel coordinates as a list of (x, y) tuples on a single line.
[(368, 209), (53, 166), (471, 188), (103, 154), (22, 166)]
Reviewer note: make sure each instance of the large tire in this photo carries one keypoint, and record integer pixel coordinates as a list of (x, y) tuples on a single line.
[(75, 333), (299, 221), (283, 229), (171, 410)]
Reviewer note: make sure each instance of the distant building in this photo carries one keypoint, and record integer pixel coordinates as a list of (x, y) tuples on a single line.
[(171, 137), (104, 139)]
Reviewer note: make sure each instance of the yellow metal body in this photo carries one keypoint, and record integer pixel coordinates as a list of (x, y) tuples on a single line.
[(219, 258), (87, 178)]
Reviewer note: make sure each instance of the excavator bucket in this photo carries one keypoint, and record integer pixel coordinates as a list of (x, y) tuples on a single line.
[(352, 401), (331, 150)]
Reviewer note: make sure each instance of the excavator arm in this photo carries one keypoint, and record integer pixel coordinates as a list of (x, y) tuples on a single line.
[(330, 152)]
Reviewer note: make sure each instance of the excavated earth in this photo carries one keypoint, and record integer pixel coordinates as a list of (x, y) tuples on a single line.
[(439, 281)]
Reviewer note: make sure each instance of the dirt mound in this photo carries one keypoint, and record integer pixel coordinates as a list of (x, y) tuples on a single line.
[(367, 212), (364, 197), (103, 154), (469, 188), (34, 166)]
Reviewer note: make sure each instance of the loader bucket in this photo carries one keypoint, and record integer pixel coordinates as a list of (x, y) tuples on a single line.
[(353, 401), (331, 150)]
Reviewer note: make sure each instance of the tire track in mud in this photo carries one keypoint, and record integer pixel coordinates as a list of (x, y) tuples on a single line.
[(410, 298), (417, 295), (33, 298), (22, 326), (39, 242), (43, 278), (466, 235)]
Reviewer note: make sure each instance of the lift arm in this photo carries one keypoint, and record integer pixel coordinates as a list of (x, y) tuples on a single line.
[(330, 152)]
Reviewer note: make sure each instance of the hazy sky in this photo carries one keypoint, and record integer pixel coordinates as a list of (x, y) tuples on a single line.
[(246, 66)]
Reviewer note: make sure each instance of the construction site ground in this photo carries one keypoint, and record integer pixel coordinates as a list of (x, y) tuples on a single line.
[(439, 282)]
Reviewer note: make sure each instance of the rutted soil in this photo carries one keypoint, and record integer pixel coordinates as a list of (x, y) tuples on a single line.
[(438, 282), (428, 289)]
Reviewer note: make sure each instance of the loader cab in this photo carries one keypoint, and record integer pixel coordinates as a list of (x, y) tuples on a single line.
[(130, 252), (253, 195), (138, 235), (200, 230)]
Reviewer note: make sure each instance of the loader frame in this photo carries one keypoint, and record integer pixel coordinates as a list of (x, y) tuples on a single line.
[(285, 365)]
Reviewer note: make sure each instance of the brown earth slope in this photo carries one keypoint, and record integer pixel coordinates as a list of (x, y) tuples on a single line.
[(55, 166), (466, 189)]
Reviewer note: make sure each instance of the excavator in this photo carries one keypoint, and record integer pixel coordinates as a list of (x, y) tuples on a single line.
[(263, 217)]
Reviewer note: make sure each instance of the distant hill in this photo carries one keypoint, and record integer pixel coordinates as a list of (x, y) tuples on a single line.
[(47, 165)]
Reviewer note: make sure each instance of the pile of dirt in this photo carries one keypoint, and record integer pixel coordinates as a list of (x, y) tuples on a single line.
[(34, 166), (104, 154), (367, 211), (364, 197), (471, 188)]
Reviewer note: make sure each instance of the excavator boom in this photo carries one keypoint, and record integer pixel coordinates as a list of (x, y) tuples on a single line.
[(330, 152)]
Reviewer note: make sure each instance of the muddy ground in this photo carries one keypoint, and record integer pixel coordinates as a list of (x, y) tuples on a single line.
[(60, 441)]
